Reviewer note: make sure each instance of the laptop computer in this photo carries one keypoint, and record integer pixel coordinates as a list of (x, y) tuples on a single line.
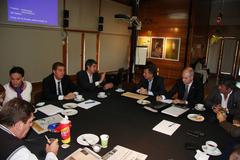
[(175, 110)]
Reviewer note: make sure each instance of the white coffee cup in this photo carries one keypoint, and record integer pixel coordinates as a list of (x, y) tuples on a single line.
[(102, 94), (79, 97), (199, 106), (211, 146)]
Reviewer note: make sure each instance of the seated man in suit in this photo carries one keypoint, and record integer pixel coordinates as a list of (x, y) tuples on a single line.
[(90, 80), (58, 86), (151, 84), (226, 97), (190, 91)]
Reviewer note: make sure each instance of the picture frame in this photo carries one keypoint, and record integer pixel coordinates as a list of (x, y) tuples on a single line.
[(172, 48), (157, 48)]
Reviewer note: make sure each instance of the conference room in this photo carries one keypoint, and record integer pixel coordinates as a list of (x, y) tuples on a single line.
[(120, 79)]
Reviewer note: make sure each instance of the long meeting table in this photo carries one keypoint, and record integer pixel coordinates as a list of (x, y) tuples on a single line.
[(129, 125)]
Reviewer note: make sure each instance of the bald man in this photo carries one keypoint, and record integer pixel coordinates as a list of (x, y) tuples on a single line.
[(189, 91)]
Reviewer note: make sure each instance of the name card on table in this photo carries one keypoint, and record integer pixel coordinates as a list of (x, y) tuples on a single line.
[(134, 95)]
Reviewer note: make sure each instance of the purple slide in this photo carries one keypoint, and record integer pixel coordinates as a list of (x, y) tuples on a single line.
[(33, 11)]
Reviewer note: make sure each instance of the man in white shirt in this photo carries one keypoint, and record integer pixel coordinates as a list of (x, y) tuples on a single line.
[(15, 121), (226, 97), (89, 79), (151, 84)]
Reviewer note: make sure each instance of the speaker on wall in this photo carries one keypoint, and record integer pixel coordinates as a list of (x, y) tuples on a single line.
[(65, 18), (100, 27), (65, 13), (100, 23), (65, 23), (100, 19)]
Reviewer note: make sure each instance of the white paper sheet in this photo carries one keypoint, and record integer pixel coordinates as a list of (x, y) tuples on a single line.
[(168, 101), (122, 153), (50, 109), (166, 127), (88, 104)]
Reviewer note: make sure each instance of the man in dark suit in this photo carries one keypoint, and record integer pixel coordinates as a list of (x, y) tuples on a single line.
[(224, 98), (90, 80), (189, 91), (58, 86), (151, 84)]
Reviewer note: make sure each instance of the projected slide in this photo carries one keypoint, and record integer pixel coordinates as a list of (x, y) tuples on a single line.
[(33, 11)]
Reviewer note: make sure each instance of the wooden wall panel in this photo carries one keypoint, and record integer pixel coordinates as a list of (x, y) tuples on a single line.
[(157, 17)]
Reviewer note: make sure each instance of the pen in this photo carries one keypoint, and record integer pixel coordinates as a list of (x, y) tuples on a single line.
[(171, 125), (89, 102), (48, 140)]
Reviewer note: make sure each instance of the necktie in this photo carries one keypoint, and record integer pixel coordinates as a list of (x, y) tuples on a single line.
[(59, 89), (186, 92), (149, 85)]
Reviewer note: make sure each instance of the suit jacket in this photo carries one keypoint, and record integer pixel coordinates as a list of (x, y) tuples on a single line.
[(195, 94), (157, 85), (84, 83), (233, 101), (49, 87)]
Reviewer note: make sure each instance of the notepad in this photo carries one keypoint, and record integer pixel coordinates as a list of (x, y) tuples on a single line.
[(123, 153), (166, 127), (88, 104), (134, 95), (175, 111), (50, 109)]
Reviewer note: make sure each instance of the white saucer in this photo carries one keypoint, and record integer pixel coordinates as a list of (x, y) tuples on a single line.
[(79, 100), (69, 112), (70, 105), (203, 109), (105, 96), (120, 90), (143, 102), (91, 139), (216, 152), (40, 104), (195, 117)]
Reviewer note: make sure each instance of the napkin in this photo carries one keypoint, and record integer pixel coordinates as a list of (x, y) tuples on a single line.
[(201, 155)]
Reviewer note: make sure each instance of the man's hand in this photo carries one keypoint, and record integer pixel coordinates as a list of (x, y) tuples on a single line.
[(70, 96), (143, 91), (221, 116), (53, 147), (158, 98), (178, 101), (108, 86), (217, 108)]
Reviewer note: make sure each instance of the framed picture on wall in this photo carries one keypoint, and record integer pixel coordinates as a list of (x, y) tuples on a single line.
[(144, 41), (172, 49), (157, 47)]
